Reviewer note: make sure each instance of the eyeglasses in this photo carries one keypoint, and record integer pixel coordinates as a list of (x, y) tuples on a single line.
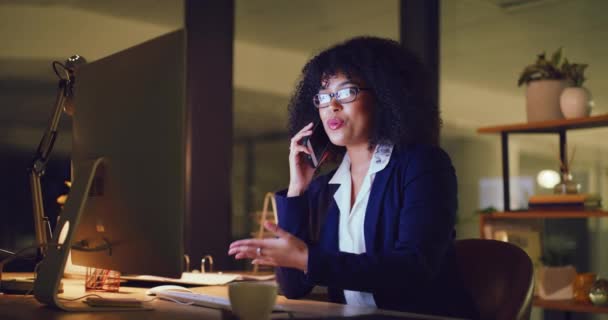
[(345, 95)]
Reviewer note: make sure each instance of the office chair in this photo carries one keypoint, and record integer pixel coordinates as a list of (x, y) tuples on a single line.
[(499, 276)]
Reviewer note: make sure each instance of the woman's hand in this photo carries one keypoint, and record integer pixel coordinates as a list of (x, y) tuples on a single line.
[(300, 172), (284, 251)]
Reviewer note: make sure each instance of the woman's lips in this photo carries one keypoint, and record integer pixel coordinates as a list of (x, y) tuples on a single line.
[(335, 123)]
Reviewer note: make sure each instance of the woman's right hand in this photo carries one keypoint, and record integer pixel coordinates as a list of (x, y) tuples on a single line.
[(300, 171)]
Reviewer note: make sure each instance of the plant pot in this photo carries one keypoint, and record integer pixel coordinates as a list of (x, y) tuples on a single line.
[(556, 283), (542, 100), (574, 102)]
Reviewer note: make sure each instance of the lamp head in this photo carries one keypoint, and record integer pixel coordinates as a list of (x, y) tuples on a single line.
[(72, 64)]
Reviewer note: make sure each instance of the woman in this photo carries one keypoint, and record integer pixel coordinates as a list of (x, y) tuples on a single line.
[(379, 230)]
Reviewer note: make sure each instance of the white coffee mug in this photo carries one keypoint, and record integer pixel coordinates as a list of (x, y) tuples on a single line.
[(252, 300)]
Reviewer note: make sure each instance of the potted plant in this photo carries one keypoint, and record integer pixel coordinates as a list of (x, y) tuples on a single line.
[(556, 275), (575, 101), (546, 79)]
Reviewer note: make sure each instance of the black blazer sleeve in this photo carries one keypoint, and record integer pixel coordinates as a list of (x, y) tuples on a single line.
[(301, 216), (293, 214)]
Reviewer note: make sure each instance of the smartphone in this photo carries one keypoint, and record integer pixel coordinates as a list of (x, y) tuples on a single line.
[(318, 142)]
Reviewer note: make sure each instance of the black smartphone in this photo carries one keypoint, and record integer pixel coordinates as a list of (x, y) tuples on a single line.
[(318, 142)]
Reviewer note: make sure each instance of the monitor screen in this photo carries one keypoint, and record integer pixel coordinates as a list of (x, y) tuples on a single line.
[(130, 110)]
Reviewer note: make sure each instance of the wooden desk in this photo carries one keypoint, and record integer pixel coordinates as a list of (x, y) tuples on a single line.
[(17, 307)]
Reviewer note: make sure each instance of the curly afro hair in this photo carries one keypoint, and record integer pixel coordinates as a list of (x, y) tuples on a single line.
[(403, 114)]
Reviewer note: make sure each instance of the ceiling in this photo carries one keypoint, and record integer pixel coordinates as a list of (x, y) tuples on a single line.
[(484, 46)]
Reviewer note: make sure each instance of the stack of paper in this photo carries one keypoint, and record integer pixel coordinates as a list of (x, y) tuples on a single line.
[(201, 279)]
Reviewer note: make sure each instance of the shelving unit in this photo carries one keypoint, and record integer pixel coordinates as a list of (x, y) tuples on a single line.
[(568, 306), (556, 126), (559, 127), (539, 214)]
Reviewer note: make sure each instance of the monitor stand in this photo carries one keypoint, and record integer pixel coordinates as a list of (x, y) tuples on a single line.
[(50, 271)]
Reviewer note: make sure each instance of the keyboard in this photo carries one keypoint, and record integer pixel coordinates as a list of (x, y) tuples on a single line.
[(200, 299)]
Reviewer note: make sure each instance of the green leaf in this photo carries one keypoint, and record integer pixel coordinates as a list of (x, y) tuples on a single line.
[(556, 58), (554, 68)]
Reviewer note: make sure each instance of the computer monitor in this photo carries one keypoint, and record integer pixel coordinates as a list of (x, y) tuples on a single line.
[(126, 208)]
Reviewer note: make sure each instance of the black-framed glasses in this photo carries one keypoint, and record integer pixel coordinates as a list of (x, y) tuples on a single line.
[(344, 95)]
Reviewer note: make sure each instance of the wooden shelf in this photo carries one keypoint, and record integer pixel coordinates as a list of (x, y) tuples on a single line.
[(553, 126), (568, 305), (544, 214), (559, 127)]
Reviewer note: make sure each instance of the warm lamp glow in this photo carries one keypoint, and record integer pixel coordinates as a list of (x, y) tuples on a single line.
[(547, 178)]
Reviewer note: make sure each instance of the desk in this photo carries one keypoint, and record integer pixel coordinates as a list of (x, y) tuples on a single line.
[(17, 307)]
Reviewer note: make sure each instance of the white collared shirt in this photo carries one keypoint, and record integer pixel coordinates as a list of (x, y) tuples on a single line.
[(350, 232)]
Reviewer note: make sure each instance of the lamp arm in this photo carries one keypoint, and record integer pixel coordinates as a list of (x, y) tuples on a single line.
[(42, 225)]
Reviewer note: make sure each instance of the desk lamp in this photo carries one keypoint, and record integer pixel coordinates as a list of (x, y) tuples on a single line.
[(36, 171), (63, 103)]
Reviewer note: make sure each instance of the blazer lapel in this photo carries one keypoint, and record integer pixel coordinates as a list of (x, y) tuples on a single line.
[(374, 204), (333, 217), (330, 221)]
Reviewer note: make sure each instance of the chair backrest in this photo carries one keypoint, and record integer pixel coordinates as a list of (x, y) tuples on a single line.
[(263, 217), (500, 277)]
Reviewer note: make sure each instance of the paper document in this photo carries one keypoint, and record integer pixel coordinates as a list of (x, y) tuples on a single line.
[(203, 279)]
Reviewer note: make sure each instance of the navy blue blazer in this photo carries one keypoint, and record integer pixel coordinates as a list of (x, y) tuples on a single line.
[(410, 264)]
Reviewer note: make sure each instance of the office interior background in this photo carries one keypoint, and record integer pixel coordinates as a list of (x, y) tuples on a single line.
[(484, 45)]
